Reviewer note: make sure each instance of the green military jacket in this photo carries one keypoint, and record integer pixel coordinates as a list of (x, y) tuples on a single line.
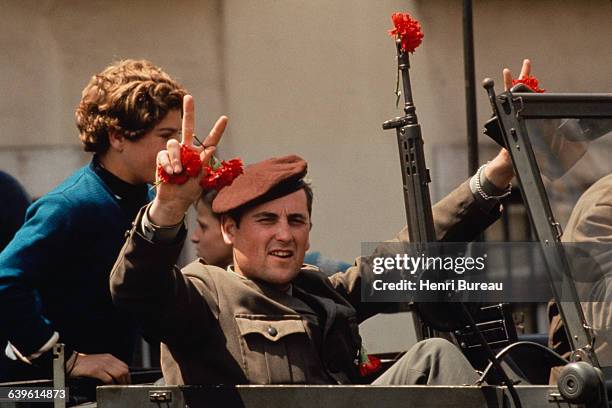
[(218, 327)]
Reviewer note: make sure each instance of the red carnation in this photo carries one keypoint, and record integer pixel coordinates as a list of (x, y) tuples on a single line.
[(408, 30), (221, 174), (216, 176), (370, 366), (190, 160), (531, 82)]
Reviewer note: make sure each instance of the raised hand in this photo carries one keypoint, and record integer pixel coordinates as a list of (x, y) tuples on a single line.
[(525, 71), (173, 200), (500, 171)]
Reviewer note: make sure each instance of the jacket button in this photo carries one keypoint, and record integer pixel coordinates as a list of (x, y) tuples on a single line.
[(272, 331)]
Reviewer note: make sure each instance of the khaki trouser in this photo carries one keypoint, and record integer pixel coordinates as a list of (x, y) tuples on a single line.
[(433, 361)]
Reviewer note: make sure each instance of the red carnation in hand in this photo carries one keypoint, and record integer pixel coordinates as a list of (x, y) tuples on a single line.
[(221, 174), (531, 82), (408, 30), (216, 176), (190, 160), (370, 366)]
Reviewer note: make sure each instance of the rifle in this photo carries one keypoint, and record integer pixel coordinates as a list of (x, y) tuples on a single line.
[(431, 318), (415, 174), (434, 319)]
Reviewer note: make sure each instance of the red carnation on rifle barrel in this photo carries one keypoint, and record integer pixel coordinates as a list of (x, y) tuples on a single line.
[(408, 30), (531, 82), (216, 176)]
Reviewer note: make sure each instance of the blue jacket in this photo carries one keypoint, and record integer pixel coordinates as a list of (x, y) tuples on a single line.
[(54, 273)]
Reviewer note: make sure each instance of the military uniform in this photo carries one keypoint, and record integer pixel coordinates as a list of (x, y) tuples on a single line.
[(218, 327)]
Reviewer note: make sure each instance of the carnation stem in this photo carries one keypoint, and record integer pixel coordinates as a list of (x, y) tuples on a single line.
[(215, 163), (398, 93), (157, 183), (198, 140)]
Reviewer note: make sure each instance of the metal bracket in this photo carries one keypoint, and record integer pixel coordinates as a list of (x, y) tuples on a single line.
[(582, 354), (160, 396), (518, 105), (555, 397), (558, 229), (59, 375)]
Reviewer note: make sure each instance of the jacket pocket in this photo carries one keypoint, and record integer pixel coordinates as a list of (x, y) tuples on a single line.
[(275, 349)]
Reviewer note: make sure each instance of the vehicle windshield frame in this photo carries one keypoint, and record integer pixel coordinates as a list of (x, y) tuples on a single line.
[(512, 111)]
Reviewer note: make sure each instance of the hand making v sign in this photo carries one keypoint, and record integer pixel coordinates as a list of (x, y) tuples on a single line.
[(173, 200)]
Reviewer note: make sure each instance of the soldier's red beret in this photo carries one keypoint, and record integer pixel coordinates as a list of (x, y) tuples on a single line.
[(262, 182)]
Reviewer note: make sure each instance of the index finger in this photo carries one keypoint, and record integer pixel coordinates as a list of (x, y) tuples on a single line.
[(526, 69), (507, 79), (188, 120)]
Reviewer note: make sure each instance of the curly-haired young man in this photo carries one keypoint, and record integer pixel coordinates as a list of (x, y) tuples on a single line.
[(54, 273)]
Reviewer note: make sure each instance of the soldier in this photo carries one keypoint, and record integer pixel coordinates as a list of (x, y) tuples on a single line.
[(267, 318), (213, 250)]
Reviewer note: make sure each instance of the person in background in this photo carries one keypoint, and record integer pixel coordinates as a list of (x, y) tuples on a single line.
[(209, 243), (16, 201), (54, 273)]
